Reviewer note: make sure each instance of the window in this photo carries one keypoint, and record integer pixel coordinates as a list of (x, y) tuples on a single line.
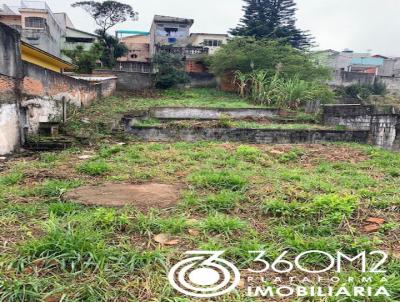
[(171, 31), (212, 43), (35, 22), (79, 40)]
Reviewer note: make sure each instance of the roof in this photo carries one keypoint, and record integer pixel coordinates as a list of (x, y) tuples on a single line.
[(367, 61), (208, 34), (168, 19), (43, 54), (132, 32), (6, 10), (83, 32)]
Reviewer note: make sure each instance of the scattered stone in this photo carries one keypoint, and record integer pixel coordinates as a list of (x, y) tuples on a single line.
[(121, 144), (85, 156), (194, 232), (85, 120), (2, 158), (276, 152), (142, 197), (376, 220), (371, 228), (165, 239)]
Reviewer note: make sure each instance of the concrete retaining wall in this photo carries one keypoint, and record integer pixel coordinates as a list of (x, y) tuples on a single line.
[(9, 128), (202, 80), (382, 123), (258, 136), (129, 81), (199, 113), (345, 78)]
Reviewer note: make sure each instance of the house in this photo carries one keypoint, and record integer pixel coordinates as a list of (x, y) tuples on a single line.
[(169, 31), (138, 48), (48, 31), (36, 23), (211, 41)]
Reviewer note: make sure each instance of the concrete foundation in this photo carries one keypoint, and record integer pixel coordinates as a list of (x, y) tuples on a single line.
[(257, 136)]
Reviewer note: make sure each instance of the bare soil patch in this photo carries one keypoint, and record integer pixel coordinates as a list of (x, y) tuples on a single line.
[(142, 197)]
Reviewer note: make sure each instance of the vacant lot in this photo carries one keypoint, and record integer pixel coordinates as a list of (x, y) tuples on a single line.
[(233, 197)]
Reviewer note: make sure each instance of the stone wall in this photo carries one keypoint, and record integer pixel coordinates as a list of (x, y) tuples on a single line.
[(10, 74), (258, 136), (200, 113), (202, 80), (382, 123), (129, 81), (345, 78), (30, 95)]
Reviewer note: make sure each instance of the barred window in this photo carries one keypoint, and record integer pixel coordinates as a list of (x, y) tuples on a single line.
[(35, 22)]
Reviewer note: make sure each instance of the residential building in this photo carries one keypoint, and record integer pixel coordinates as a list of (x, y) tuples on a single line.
[(40, 27), (349, 61), (138, 48), (211, 41), (36, 23), (172, 34)]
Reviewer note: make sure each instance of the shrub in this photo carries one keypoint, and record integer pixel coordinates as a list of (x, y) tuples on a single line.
[(170, 70), (247, 54), (363, 91)]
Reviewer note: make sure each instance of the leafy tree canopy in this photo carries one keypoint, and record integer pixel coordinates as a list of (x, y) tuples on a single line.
[(107, 13), (84, 60), (272, 19), (248, 54)]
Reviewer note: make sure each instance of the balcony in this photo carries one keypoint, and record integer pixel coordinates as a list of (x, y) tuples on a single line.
[(188, 51)]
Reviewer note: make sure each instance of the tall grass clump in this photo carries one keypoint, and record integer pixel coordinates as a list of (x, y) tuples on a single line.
[(280, 91)]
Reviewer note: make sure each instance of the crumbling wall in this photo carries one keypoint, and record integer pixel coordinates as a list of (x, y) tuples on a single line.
[(345, 78), (129, 81), (10, 73), (382, 123)]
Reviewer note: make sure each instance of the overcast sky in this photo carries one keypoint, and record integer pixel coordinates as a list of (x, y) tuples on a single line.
[(361, 25)]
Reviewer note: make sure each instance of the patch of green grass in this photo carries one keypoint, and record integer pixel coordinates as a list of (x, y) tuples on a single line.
[(94, 168), (219, 180), (222, 224), (55, 187), (11, 178), (61, 209), (153, 224)]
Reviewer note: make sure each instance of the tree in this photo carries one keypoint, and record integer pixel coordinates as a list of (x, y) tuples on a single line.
[(272, 19), (170, 70), (110, 49), (107, 13), (248, 54), (84, 60)]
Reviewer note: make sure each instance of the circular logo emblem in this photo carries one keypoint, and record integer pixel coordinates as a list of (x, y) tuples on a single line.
[(204, 276)]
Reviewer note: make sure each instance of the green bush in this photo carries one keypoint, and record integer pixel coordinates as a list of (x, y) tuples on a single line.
[(248, 54), (170, 70), (363, 91)]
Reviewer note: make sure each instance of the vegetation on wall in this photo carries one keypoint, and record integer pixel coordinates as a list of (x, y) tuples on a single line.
[(170, 70), (274, 20)]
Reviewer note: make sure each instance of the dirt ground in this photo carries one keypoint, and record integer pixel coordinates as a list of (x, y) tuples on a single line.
[(143, 196)]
